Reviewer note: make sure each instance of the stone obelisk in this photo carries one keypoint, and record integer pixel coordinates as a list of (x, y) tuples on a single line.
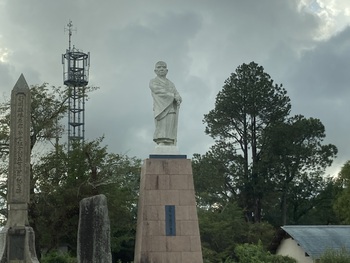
[(17, 237)]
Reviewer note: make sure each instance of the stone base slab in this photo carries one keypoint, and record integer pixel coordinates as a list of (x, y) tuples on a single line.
[(167, 223), (17, 244)]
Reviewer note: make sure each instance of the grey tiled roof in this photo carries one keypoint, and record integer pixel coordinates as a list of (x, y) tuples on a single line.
[(315, 240)]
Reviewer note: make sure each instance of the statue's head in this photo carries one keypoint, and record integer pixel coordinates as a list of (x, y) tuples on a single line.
[(161, 69)]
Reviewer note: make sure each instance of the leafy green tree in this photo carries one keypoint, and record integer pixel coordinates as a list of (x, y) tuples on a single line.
[(48, 107), (217, 177), (222, 228), (64, 179), (342, 200), (248, 103), (296, 159), (322, 213)]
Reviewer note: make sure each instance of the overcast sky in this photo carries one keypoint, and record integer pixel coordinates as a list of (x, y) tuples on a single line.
[(303, 44)]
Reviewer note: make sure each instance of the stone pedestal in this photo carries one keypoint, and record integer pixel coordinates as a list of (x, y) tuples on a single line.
[(17, 245), (167, 223)]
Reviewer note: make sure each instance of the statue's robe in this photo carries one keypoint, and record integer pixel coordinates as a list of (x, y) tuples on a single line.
[(165, 110)]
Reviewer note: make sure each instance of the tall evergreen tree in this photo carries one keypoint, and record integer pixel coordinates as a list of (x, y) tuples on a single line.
[(248, 103)]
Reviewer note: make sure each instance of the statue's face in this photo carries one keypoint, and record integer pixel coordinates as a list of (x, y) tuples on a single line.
[(161, 69)]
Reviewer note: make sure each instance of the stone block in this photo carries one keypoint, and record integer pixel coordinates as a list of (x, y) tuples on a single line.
[(156, 243), (152, 197), (151, 228), (187, 198), (157, 182), (169, 197), (186, 212), (195, 243), (192, 257), (179, 182), (189, 228), (154, 212), (178, 243), (168, 166)]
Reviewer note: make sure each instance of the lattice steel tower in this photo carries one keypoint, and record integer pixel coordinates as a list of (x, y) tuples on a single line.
[(75, 76)]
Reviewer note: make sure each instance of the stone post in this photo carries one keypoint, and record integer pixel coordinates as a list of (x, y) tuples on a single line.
[(94, 231)]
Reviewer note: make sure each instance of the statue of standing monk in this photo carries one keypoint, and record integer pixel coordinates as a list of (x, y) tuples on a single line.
[(166, 104)]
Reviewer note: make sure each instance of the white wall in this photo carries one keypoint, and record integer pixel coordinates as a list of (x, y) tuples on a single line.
[(289, 247)]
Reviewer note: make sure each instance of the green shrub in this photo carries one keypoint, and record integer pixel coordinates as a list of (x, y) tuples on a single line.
[(58, 257), (336, 256), (248, 253)]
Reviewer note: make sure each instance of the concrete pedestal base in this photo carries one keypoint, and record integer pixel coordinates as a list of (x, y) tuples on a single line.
[(167, 223), (17, 245)]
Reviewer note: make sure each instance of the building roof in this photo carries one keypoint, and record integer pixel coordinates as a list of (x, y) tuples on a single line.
[(315, 240)]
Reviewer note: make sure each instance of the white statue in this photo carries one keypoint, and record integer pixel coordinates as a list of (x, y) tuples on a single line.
[(166, 104)]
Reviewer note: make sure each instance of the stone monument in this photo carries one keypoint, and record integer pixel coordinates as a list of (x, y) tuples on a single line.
[(17, 242), (167, 221), (94, 244)]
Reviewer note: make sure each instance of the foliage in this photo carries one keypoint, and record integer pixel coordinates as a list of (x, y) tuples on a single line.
[(336, 256), (248, 253), (342, 200), (248, 103), (223, 227), (58, 257), (270, 164), (220, 229), (295, 158), (64, 179), (48, 106)]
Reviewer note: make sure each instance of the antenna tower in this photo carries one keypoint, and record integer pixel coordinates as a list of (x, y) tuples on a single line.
[(76, 65)]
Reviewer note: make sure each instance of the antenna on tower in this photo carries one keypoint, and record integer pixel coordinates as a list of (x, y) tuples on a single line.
[(70, 32), (76, 65)]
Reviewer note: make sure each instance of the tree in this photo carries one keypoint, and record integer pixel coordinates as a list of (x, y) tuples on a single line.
[(295, 159), (217, 177), (63, 179), (248, 103), (221, 229), (342, 200)]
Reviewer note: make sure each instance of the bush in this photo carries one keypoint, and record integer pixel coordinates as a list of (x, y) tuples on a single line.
[(248, 253), (58, 257), (336, 256)]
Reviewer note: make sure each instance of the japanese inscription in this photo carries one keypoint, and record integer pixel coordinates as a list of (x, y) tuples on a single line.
[(19, 151), (19, 166), (170, 222)]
